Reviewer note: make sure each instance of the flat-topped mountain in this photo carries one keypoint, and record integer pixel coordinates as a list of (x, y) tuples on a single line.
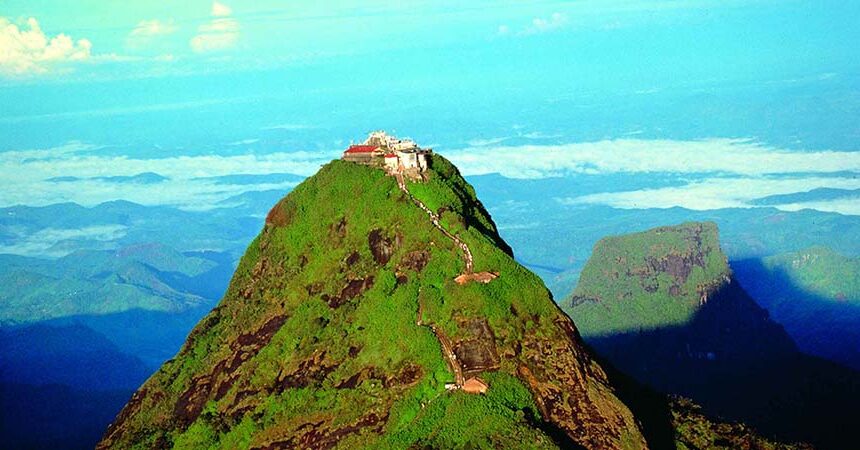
[(649, 280)]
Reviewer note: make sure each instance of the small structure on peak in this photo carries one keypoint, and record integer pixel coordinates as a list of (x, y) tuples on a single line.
[(395, 155), (475, 386)]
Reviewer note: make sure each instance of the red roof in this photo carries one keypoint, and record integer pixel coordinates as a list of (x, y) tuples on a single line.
[(361, 149), (390, 155)]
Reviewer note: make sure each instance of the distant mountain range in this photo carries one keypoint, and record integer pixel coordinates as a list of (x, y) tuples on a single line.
[(150, 277), (809, 196)]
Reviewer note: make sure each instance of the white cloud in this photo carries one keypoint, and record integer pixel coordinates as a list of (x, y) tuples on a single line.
[(729, 173), (154, 27), (45, 242), (243, 142), (542, 25), (221, 10), (220, 33), (489, 141), (538, 25), (12, 157), (24, 175), (540, 135), (289, 127), (27, 50), (148, 31), (734, 156), (716, 193)]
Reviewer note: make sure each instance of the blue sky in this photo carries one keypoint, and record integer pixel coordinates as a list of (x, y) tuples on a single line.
[(601, 44), (756, 98)]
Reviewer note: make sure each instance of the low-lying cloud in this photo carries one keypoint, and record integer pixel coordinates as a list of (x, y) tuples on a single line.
[(219, 33), (48, 242), (724, 173), (731, 156), (713, 193), (713, 173), (189, 182)]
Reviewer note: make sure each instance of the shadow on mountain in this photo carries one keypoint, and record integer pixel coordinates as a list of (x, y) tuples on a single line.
[(60, 386), (210, 284), (820, 326), (55, 416), (63, 381), (152, 336), (740, 366)]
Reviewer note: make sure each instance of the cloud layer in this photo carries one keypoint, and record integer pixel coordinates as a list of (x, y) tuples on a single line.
[(723, 173), (28, 50), (736, 156), (716, 193), (190, 182), (220, 33), (47, 242), (710, 174)]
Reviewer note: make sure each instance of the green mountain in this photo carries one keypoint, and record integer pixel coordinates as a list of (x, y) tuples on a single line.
[(815, 293), (368, 316), (337, 323), (663, 307)]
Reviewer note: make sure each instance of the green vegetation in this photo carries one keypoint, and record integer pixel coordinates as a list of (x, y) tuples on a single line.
[(496, 420), (695, 431), (316, 341), (648, 280), (820, 271)]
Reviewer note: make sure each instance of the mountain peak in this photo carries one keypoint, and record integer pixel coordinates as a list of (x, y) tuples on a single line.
[(344, 325)]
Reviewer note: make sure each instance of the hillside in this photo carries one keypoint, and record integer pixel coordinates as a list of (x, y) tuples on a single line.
[(663, 306), (336, 324), (815, 293), (149, 277)]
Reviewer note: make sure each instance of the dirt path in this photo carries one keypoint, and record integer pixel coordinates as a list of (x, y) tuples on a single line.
[(447, 349), (434, 218)]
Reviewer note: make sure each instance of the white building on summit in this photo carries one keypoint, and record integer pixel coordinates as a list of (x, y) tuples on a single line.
[(390, 152)]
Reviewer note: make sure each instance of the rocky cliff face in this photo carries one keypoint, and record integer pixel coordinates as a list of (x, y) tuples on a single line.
[(663, 307), (343, 326)]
